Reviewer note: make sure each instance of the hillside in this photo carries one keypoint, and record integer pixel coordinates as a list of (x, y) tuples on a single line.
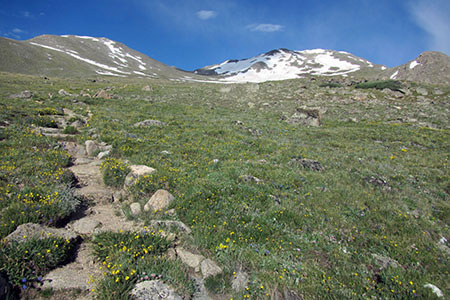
[(80, 56), (428, 67)]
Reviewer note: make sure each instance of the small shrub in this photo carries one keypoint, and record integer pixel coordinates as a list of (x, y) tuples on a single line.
[(114, 172), (330, 84), (26, 262), (70, 130), (380, 85), (44, 121)]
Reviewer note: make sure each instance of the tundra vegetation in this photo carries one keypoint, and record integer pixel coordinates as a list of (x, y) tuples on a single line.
[(371, 222)]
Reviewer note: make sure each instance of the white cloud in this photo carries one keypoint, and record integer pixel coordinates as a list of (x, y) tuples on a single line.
[(18, 31), (27, 14), (433, 17), (206, 14), (265, 27)]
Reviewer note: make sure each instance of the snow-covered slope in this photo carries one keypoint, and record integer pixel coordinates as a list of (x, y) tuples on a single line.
[(288, 64), (71, 55)]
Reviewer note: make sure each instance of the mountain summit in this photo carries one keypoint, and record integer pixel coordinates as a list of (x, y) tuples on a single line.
[(288, 64)]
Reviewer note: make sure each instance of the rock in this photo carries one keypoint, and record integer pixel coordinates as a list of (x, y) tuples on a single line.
[(149, 123), (154, 290), (91, 147), (286, 295), (62, 92), (210, 268), (190, 259), (24, 95), (422, 91), (85, 226), (31, 230), (136, 172), (239, 282), (119, 195), (180, 226), (160, 200), (147, 88), (306, 116), (434, 289), (135, 208), (438, 92), (383, 262), (313, 165), (103, 154), (377, 181), (5, 288), (251, 105), (102, 94), (77, 124), (250, 178), (165, 152), (171, 254)]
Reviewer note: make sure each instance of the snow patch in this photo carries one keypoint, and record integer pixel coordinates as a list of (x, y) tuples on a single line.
[(108, 73), (393, 76), (383, 68), (413, 64), (142, 67), (89, 61)]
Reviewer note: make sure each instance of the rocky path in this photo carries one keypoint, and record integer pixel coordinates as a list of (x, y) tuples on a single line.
[(100, 215)]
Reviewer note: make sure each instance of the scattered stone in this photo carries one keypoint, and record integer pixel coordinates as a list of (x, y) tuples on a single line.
[(64, 93), (119, 195), (306, 116), (154, 290), (384, 262), (85, 226), (286, 295), (422, 91), (147, 88), (136, 172), (24, 95), (31, 230), (238, 123), (160, 200), (102, 94), (239, 282), (190, 259), (250, 178), (165, 152), (434, 289), (310, 164), (178, 225), (103, 154), (377, 181), (91, 147), (210, 268), (171, 254), (77, 124), (215, 160), (149, 123), (135, 208), (438, 92)]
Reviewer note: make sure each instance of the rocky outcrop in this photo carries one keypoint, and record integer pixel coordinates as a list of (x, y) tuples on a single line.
[(30, 230), (154, 290), (306, 116), (137, 171), (149, 123)]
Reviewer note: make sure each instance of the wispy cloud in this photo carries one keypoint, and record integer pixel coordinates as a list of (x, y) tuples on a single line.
[(265, 27), (433, 17), (206, 14), (18, 31), (26, 14)]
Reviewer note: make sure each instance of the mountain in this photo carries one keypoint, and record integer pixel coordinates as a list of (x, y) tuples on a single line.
[(288, 64), (428, 67), (71, 55)]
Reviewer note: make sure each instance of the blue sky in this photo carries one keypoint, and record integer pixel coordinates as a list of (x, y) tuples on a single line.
[(190, 34)]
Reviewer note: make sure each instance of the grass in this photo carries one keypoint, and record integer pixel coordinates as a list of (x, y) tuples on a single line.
[(313, 233), (380, 85)]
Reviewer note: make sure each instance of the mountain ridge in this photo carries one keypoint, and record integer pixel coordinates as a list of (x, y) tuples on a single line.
[(81, 56)]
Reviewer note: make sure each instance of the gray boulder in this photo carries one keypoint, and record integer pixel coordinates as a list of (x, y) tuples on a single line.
[(190, 259), (160, 200), (137, 171), (209, 268), (306, 116), (153, 290), (239, 282), (30, 230), (91, 147), (149, 123), (135, 208)]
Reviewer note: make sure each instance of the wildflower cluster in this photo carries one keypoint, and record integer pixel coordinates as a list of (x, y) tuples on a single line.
[(114, 172)]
